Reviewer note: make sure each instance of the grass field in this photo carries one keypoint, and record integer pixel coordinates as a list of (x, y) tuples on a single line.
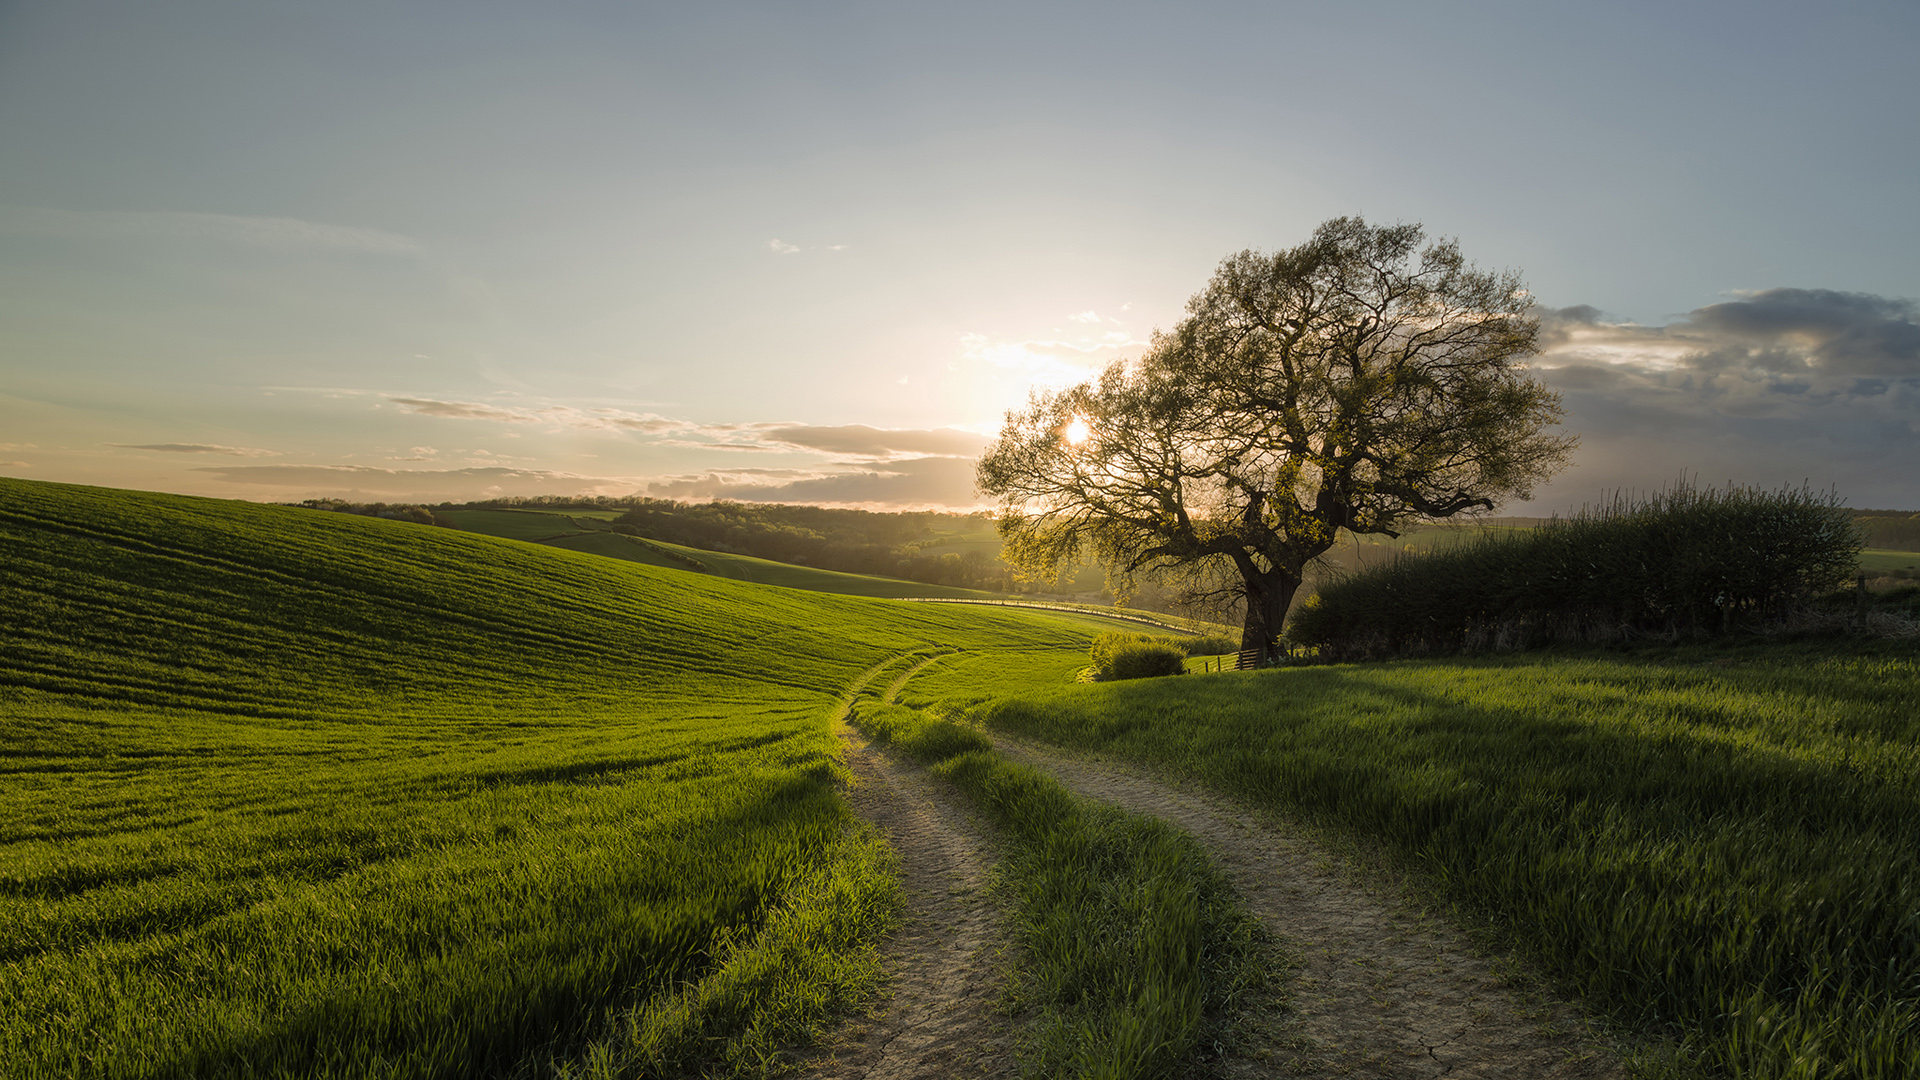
[(1722, 844), (1876, 561), (285, 791), (570, 532)]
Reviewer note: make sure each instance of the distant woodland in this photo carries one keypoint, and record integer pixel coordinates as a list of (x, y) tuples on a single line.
[(898, 545)]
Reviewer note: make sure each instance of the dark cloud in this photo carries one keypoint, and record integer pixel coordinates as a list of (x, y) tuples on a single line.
[(1782, 386), (1853, 333), (914, 483)]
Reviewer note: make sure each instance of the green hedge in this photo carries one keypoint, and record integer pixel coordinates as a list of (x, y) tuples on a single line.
[(1687, 560), (1118, 655)]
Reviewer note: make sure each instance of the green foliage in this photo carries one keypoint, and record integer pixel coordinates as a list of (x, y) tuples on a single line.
[(1120, 655), (850, 541), (1687, 559), (1146, 661), (1722, 842), (1889, 529), (1133, 947), (286, 791), (1206, 644)]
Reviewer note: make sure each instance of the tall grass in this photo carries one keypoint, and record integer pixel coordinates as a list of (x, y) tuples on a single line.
[(1684, 560), (1719, 844)]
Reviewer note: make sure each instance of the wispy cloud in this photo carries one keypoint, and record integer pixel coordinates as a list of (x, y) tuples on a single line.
[(557, 415), (199, 448), (281, 233), (1049, 363), (918, 483), (847, 440), (781, 247), (369, 482)]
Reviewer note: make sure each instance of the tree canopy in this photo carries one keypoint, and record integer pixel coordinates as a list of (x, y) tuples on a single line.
[(1359, 381)]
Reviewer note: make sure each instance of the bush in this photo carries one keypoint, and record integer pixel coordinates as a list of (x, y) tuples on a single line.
[(1136, 656), (1147, 661), (1684, 560), (1207, 644)]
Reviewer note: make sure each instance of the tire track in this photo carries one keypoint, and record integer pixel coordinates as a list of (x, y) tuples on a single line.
[(940, 1018), (1380, 993)]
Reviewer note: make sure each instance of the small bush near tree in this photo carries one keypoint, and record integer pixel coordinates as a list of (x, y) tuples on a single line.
[(1136, 656)]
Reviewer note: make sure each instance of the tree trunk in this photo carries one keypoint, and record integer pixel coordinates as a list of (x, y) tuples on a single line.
[(1268, 597)]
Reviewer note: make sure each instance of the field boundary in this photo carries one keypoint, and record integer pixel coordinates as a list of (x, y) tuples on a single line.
[(1075, 609)]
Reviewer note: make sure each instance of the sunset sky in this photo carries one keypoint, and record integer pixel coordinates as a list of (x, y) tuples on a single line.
[(812, 251)]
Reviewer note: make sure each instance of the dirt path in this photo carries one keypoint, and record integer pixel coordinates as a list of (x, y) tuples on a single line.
[(1381, 994), (940, 1020)]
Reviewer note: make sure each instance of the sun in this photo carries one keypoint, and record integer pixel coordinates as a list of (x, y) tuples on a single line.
[(1077, 431)]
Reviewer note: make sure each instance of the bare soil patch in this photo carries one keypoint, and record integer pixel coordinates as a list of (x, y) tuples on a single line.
[(1383, 991)]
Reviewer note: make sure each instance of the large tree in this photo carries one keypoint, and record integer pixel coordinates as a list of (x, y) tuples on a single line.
[(1360, 381)]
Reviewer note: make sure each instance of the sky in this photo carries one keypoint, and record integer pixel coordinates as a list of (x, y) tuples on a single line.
[(812, 252)]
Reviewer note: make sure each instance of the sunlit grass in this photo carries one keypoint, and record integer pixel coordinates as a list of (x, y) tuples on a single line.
[(287, 791)]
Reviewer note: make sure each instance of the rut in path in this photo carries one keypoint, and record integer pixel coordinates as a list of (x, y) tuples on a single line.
[(1381, 994), (940, 1020)]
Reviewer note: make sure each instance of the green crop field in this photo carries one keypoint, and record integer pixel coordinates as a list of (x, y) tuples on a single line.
[(531, 525), (612, 545), (1876, 561), (286, 791), (1722, 843), (559, 530)]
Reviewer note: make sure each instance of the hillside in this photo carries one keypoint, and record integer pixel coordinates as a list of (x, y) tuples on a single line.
[(286, 787), (590, 532)]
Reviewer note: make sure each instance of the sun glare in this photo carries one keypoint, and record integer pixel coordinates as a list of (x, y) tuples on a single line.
[(1077, 432)]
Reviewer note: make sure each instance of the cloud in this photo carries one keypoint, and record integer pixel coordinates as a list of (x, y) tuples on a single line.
[(198, 448), (1085, 317), (781, 247), (286, 234), (420, 485), (855, 440), (556, 415), (914, 483), (464, 410), (1051, 364), (1779, 386), (863, 441)]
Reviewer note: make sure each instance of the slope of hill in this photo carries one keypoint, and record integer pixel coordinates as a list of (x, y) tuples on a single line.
[(578, 532), (290, 790)]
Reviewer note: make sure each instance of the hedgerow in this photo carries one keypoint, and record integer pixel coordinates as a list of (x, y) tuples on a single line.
[(1684, 561)]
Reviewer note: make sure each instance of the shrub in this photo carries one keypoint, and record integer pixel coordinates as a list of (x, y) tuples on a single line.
[(1685, 560), (1146, 661), (1207, 644)]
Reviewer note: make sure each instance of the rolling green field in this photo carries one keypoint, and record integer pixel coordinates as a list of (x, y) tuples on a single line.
[(1875, 561), (569, 532), (285, 791), (1723, 844)]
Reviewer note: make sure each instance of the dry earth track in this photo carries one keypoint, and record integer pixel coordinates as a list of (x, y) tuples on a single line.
[(1382, 992), (940, 1019)]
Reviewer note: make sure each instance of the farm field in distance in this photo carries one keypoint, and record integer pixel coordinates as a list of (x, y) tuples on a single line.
[(565, 530), (287, 790)]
